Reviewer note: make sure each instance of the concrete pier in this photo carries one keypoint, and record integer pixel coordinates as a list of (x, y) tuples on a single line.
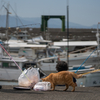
[(81, 93)]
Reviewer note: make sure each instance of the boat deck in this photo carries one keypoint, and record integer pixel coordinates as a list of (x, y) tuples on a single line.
[(81, 93)]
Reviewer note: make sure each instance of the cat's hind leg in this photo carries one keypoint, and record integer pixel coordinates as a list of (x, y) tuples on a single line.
[(66, 87), (73, 85)]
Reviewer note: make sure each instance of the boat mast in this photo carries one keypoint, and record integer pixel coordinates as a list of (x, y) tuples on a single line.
[(7, 22), (67, 33), (98, 37), (98, 42)]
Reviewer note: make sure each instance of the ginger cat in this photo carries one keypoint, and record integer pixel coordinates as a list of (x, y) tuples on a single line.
[(62, 78)]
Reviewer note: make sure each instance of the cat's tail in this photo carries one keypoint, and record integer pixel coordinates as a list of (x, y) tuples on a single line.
[(76, 75)]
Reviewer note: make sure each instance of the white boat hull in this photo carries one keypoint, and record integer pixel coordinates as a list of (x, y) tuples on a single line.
[(92, 79), (90, 61), (9, 74), (51, 67)]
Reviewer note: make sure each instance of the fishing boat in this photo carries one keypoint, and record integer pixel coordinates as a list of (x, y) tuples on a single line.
[(12, 66), (48, 65), (92, 78), (48, 59), (8, 69)]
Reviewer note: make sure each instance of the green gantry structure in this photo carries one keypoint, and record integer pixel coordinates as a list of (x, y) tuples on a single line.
[(45, 18)]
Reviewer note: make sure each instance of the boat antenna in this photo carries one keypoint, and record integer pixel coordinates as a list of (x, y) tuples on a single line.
[(67, 32)]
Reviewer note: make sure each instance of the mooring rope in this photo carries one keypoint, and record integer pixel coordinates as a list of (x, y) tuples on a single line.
[(90, 72), (85, 60)]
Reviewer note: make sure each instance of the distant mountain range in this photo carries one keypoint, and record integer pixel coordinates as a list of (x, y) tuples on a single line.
[(36, 22)]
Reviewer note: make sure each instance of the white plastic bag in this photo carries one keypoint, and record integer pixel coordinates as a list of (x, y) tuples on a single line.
[(29, 77), (42, 86)]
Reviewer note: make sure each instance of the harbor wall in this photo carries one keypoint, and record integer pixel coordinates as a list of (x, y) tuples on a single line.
[(55, 34)]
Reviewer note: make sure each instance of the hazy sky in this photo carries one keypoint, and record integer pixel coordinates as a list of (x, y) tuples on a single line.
[(84, 12)]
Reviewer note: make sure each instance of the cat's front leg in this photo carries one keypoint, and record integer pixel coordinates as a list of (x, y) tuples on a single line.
[(53, 86)]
